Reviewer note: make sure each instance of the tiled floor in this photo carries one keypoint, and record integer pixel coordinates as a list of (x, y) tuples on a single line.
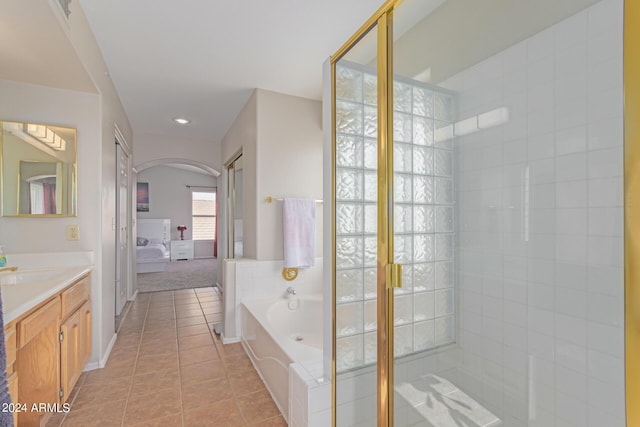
[(168, 369)]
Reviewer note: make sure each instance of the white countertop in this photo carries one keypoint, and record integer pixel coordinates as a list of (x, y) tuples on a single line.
[(20, 298), (65, 268)]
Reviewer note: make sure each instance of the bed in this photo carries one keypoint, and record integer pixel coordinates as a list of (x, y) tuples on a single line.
[(152, 245)]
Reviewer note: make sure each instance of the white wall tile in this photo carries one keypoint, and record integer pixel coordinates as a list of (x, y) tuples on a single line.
[(606, 368), (571, 194), (605, 133), (571, 356), (572, 221), (573, 140), (605, 339), (606, 251), (606, 163), (571, 329), (573, 276), (606, 45), (606, 309), (570, 410), (571, 167), (541, 45), (571, 31), (571, 302)]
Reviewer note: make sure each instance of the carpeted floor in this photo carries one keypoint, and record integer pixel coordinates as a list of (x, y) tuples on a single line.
[(197, 273)]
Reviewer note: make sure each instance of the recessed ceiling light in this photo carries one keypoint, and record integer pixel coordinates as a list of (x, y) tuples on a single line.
[(181, 121)]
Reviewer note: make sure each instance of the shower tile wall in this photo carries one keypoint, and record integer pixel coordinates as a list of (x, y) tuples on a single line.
[(540, 256), (424, 217)]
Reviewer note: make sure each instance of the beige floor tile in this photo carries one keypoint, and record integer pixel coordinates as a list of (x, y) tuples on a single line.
[(192, 330), (159, 346), (198, 355), (156, 363), (147, 407), (231, 349), (200, 372), (106, 415), (271, 422), (189, 313), (224, 413), (190, 321), (205, 393), (154, 381), (238, 363), (186, 307), (100, 393), (257, 407), (179, 378), (245, 382), (170, 421), (109, 373), (193, 341)]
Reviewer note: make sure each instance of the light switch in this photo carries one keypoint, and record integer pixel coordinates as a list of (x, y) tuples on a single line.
[(73, 232)]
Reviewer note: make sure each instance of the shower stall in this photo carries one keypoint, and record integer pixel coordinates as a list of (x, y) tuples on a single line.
[(477, 216)]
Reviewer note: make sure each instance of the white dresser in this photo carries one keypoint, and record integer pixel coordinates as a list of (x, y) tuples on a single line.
[(181, 249)]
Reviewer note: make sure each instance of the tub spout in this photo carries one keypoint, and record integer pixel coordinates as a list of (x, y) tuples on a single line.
[(291, 291)]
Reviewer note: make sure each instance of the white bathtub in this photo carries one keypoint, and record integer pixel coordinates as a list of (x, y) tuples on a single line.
[(275, 336)]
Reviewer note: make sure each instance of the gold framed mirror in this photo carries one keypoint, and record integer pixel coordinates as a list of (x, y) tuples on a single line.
[(39, 170)]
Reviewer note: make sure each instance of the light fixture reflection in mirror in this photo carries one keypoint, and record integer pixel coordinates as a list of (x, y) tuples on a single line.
[(39, 166)]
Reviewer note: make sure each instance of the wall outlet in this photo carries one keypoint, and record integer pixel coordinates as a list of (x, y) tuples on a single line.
[(73, 232)]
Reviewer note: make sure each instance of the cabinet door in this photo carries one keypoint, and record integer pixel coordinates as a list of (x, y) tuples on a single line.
[(85, 311), (71, 353)]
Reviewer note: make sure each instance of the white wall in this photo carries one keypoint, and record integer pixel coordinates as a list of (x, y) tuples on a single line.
[(242, 137), (170, 198), (289, 164), (280, 137), (40, 104), (151, 147), (96, 117)]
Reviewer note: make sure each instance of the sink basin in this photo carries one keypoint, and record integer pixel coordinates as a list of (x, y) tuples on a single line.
[(27, 276)]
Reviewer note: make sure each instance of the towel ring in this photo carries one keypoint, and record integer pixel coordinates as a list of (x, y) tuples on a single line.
[(289, 274)]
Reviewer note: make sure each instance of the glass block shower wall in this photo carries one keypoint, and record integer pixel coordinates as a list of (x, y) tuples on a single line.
[(424, 214)]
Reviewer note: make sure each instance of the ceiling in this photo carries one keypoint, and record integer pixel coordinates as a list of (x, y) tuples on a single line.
[(201, 59)]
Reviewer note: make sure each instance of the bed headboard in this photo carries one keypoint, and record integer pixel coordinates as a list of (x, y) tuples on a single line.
[(154, 229)]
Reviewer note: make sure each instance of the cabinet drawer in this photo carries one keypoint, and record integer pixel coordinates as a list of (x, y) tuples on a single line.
[(37, 321), (73, 297), (10, 345)]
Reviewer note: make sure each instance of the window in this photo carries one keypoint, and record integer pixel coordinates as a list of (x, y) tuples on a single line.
[(203, 212)]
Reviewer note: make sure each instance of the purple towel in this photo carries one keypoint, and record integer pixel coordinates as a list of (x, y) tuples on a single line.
[(6, 418)]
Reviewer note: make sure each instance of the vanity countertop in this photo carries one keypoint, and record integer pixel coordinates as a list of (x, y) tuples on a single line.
[(19, 298)]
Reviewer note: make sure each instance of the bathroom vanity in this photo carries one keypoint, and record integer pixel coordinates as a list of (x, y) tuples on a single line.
[(47, 315)]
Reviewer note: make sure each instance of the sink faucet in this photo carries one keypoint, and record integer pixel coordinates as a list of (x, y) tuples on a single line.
[(291, 291), (8, 269)]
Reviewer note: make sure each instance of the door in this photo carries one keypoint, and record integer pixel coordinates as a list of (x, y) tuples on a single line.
[(71, 353), (394, 240), (122, 230)]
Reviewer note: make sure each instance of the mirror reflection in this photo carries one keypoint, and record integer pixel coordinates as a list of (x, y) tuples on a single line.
[(38, 170)]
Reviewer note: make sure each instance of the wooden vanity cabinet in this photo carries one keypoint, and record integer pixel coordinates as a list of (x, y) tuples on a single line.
[(11, 347), (53, 346)]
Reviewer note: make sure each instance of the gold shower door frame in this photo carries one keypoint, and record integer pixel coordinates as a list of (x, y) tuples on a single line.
[(383, 19), (632, 208), (388, 273)]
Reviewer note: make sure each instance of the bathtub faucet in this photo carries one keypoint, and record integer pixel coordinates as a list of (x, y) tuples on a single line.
[(291, 291)]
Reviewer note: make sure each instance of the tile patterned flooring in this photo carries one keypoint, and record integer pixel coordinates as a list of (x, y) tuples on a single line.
[(168, 369)]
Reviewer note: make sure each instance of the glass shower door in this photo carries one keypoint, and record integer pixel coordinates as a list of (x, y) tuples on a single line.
[(355, 233)]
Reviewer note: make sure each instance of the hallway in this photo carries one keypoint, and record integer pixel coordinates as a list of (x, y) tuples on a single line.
[(168, 369)]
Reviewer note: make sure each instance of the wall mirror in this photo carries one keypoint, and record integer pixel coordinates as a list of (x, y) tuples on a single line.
[(39, 170)]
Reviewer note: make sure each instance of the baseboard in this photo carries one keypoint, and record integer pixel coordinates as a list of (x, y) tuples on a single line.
[(217, 285), (103, 361), (226, 340)]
